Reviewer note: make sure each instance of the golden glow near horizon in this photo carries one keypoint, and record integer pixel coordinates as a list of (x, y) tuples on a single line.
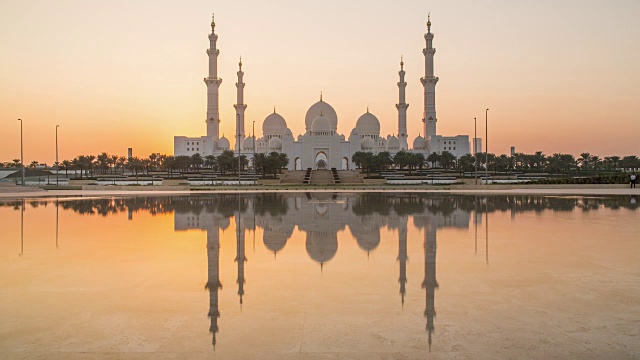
[(557, 76)]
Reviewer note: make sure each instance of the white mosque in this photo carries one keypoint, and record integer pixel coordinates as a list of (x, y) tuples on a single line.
[(321, 146)]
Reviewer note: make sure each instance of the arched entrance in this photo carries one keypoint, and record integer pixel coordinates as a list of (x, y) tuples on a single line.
[(321, 161), (345, 163), (297, 164)]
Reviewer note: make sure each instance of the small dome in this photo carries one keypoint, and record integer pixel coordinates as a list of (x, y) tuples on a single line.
[(223, 143), (248, 143), (274, 124), (367, 143), (419, 143), (393, 143), (275, 143), (287, 131), (368, 124), (316, 110), (354, 132), (321, 123)]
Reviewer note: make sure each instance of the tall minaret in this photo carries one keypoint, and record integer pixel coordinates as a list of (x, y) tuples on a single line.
[(429, 82), (240, 107), (402, 110), (213, 84)]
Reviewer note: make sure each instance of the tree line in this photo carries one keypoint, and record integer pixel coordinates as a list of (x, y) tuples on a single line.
[(222, 164), (519, 162)]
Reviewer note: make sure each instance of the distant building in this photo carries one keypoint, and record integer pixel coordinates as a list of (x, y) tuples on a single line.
[(513, 150), (129, 153), (478, 145), (321, 146)]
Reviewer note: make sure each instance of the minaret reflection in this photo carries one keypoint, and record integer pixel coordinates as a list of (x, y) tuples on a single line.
[(430, 284), (402, 256), (240, 251), (213, 280)]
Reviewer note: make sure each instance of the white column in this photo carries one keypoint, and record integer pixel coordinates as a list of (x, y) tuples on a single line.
[(429, 82), (402, 110), (213, 84), (240, 108)]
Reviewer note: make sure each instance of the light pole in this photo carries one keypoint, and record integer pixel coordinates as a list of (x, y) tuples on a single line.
[(475, 149), (21, 154), (254, 153), (57, 163), (486, 143)]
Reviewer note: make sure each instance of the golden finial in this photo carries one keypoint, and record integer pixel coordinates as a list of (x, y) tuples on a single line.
[(401, 62), (274, 109), (429, 20), (367, 109), (213, 21), (320, 95), (240, 63)]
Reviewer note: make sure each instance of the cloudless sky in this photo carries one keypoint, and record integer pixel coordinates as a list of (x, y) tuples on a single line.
[(558, 76)]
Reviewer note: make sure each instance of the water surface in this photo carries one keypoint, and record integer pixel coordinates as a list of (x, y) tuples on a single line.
[(312, 275)]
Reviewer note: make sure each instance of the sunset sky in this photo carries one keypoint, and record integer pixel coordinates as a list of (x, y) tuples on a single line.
[(558, 76)]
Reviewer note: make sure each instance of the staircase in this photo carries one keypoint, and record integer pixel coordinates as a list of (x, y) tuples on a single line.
[(350, 177), (293, 177), (321, 177), (336, 178)]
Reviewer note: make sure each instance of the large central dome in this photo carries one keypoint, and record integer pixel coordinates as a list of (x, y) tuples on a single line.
[(324, 109)]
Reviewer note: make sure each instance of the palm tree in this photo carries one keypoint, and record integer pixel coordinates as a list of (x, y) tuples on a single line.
[(66, 164), (584, 159)]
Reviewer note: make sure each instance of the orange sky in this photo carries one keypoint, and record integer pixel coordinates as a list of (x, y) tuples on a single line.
[(559, 76)]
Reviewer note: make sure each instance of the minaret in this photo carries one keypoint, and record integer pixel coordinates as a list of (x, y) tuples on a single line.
[(402, 256), (213, 84), (240, 108), (213, 281), (430, 284), (402, 109), (429, 82)]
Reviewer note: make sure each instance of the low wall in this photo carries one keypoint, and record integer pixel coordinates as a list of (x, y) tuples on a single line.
[(74, 182), (375, 181), (175, 182), (135, 188), (268, 181)]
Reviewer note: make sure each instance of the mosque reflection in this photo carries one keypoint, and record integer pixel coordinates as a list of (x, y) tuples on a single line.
[(320, 216)]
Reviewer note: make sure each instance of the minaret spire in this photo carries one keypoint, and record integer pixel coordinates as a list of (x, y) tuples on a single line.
[(213, 85), (240, 108), (402, 257), (402, 109), (429, 82)]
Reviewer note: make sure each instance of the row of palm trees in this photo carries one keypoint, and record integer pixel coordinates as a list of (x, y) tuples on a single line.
[(224, 163), (520, 162)]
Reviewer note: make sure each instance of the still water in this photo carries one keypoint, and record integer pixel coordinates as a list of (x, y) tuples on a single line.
[(315, 275)]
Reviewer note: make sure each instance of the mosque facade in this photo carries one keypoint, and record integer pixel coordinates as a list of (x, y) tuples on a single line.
[(321, 146)]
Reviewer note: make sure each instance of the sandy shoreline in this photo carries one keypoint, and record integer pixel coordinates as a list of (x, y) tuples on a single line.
[(13, 193)]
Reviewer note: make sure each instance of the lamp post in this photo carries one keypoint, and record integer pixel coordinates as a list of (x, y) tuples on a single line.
[(21, 154), (57, 163), (486, 144), (475, 150), (254, 153)]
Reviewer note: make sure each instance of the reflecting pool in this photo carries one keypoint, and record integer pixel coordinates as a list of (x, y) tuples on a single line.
[(320, 275)]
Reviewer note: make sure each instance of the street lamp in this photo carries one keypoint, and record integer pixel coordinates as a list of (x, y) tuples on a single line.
[(475, 150), (486, 143), (21, 154), (57, 163)]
